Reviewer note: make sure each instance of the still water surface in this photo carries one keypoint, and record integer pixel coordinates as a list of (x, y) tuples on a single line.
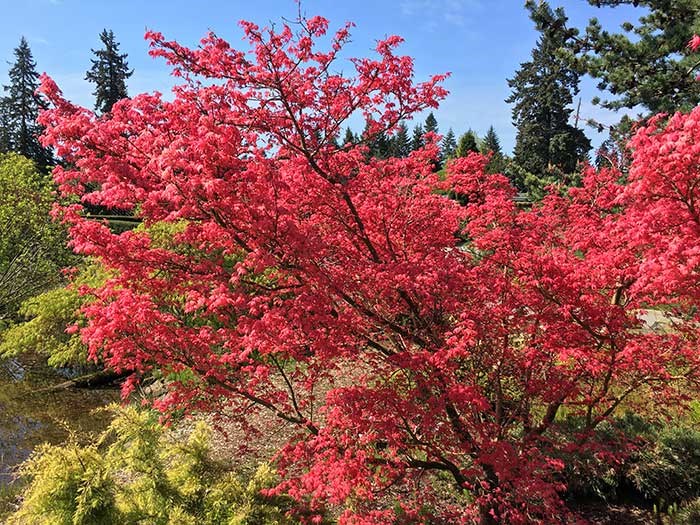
[(29, 418)]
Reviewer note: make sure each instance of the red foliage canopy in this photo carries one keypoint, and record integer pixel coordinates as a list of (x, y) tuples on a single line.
[(476, 342)]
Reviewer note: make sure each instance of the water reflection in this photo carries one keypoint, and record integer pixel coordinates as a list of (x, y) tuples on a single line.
[(30, 416)]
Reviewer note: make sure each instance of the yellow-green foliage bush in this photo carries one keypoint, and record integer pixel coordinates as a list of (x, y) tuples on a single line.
[(45, 318), (138, 473), (32, 246)]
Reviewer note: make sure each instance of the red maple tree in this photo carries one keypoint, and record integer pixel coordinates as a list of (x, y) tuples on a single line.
[(450, 341)]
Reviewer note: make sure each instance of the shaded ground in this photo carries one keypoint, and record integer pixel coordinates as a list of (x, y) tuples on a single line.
[(602, 514), (244, 453)]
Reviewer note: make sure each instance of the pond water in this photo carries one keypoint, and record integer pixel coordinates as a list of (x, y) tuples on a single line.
[(30, 416)]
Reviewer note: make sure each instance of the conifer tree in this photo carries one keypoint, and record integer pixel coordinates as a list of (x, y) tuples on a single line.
[(431, 124), (492, 145), (467, 144), (109, 73), (542, 92), (379, 144), (350, 137), (647, 64), (401, 142), (5, 142), (417, 138), (491, 142), (449, 145), (20, 109)]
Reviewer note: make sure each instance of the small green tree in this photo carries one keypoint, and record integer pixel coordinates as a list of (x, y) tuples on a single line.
[(449, 145), (491, 142), (401, 143), (379, 144), (431, 125), (349, 137), (417, 141), (491, 145), (468, 143), (109, 73)]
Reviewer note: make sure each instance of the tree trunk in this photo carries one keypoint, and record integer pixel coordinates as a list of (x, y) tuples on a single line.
[(95, 380)]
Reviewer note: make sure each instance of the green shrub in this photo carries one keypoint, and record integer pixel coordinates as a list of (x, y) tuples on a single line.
[(138, 473), (668, 471), (598, 472), (688, 514), (45, 318), (32, 246)]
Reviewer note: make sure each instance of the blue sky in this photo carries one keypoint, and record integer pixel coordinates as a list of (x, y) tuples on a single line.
[(481, 42)]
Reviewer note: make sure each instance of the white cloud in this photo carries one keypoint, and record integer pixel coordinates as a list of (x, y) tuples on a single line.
[(38, 40)]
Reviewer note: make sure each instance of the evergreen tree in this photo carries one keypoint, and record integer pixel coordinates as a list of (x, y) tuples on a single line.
[(350, 137), (449, 145), (379, 144), (417, 138), (109, 73), (401, 142), (492, 145), (20, 109), (611, 154), (542, 92), (491, 142), (431, 124), (334, 141), (647, 64), (5, 141), (467, 144)]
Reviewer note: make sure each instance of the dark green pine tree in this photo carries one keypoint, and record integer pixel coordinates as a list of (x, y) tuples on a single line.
[(430, 124), (20, 109), (400, 143), (547, 146), (5, 141), (648, 63), (350, 137), (449, 145), (379, 144), (492, 145), (491, 142), (467, 144), (417, 138), (334, 141), (109, 73)]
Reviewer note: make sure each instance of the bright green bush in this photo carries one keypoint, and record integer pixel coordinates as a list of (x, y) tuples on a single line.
[(45, 319), (137, 472), (32, 246)]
